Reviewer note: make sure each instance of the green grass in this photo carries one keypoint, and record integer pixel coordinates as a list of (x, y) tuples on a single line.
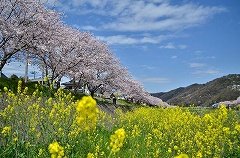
[(38, 121), (10, 84), (46, 91), (13, 84)]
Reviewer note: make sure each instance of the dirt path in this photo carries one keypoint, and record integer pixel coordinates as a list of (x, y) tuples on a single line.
[(110, 108)]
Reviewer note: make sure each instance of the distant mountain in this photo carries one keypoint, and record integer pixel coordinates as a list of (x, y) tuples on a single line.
[(220, 89)]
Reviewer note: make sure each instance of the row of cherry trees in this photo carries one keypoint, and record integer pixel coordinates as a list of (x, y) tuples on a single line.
[(30, 30)]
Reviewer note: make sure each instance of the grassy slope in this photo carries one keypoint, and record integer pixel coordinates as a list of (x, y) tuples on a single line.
[(13, 84), (10, 84)]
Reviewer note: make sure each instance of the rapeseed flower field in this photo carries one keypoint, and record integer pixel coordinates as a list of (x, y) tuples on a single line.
[(59, 126)]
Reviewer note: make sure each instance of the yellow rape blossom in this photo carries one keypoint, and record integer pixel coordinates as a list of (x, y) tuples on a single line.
[(87, 113), (5, 89), (38, 134), (90, 155), (169, 150), (117, 140), (40, 152), (175, 147), (182, 156), (19, 88), (15, 139), (28, 144), (6, 130), (237, 128), (56, 150), (45, 79), (199, 155)]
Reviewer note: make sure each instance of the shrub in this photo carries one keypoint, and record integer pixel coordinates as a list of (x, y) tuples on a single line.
[(14, 77)]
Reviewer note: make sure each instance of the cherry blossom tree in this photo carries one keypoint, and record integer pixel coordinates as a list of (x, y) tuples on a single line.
[(20, 27), (103, 71), (99, 68), (28, 27), (108, 74), (135, 92), (61, 52)]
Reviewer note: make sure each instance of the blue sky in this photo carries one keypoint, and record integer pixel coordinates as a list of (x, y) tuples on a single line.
[(165, 44)]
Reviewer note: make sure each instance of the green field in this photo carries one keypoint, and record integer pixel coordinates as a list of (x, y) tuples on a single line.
[(37, 125)]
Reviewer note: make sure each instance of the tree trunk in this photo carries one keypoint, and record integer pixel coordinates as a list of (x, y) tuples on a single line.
[(92, 93), (26, 71), (114, 100), (2, 64), (74, 86), (46, 71), (58, 83)]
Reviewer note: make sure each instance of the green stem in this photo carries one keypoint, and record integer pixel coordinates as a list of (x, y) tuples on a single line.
[(110, 154)]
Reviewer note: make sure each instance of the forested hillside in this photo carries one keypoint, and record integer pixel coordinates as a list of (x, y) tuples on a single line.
[(220, 89)]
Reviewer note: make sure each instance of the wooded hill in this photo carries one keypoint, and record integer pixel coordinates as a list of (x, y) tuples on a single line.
[(220, 89)]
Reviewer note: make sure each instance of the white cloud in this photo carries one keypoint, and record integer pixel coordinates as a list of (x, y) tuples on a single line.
[(168, 46), (158, 80), (204, 69), (85, 28), (118, 39), (174, 57), (148, 40), (171, 45), (135, 15), (182, 46), (144, 47), (211, 57), (198, 52), (149, 17), (206, 72), (195, 65), (18, 69), (123, 39), (88, 28), (148, 67)]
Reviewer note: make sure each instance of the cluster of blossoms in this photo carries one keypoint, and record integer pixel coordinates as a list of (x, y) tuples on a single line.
[(151, 132), (178, 130), (117, 139), (87, 113), (182, 156), (56, 150), (6, 130)]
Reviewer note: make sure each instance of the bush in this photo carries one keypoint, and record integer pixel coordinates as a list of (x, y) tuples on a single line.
[(14, 77)]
